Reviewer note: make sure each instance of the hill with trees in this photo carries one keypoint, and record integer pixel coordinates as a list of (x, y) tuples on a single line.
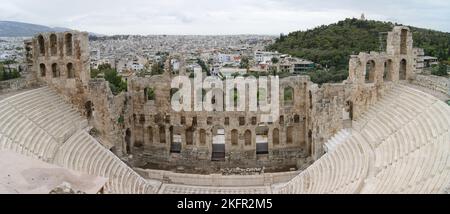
[(331, 45)]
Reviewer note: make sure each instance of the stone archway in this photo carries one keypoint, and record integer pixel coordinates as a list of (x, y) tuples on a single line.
[(402, 70)]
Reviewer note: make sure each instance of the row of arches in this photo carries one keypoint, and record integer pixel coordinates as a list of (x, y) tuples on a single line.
[(56, 71), (388, 72), (53, 42), (288, 96)]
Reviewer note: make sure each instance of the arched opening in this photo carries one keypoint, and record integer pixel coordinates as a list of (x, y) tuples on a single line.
[(41, 43), (189, 136), (70, 72), (202, 137), (53, 45), (288, 96), (404, 41), (55, 70), (149, 93), (370, 72), (128, 141), (150, 135), (248, 138), (310, 141), (402, 72), (388, 68), (276, 137), (296, 118), (68, 44), (234, 137), (175, 140), (290, 135), (310, 100), (43, 70), (88, 107), (350, 109), (162, 134), (218, 144), (262, 140)]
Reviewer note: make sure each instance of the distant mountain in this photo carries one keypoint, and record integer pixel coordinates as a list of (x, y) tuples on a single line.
[(20, 29), (332, 44)]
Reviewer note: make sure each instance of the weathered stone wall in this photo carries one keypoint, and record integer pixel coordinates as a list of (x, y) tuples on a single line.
[(61, 60), (435, 83), (155, 122), (217, 179), (105, 112)]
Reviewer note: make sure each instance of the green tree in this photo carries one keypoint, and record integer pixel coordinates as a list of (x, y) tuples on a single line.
[(275, 60), (440, 70)]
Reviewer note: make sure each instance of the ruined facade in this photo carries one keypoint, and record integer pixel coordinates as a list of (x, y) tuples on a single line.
[(141, 122)]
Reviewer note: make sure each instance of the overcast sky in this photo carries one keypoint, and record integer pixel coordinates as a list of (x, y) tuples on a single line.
[(219, 16)]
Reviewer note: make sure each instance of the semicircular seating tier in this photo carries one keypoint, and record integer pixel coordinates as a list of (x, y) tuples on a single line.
[(40, 124)]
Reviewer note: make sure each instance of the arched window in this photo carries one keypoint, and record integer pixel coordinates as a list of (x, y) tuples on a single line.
[(150, 134), (248, 137), (43, 70), (53, 45), (234, 137), (290, 135), (288, 96), (55, 70), (68, 44), (370, 72), (70, 72), (276, 137), (162, 134), (149, 93), (41, 43), (189, 136), (402, 72), (404, 41), (387, 76)]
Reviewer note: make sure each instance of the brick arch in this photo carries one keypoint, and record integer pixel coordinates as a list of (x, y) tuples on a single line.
[(53, 44)]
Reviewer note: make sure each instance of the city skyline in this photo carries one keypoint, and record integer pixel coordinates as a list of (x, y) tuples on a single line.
[(180, 17)]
